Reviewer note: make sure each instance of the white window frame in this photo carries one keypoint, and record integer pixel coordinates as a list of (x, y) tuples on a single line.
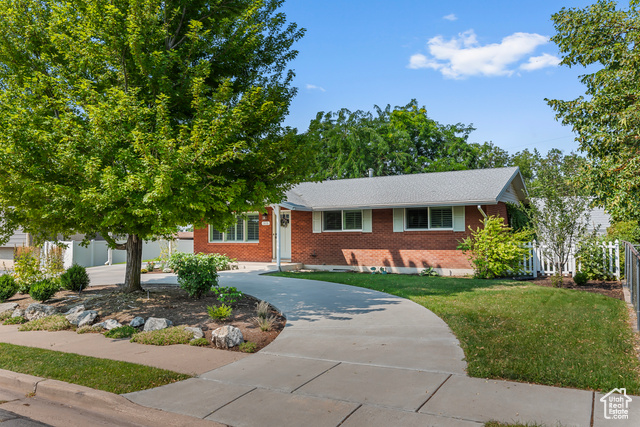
[(245, 231), (342, 211), (428, 219)]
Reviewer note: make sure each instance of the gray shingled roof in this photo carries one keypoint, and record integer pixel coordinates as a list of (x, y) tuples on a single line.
[(481, 186)]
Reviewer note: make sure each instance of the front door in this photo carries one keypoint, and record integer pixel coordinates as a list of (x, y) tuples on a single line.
[(285, 235)]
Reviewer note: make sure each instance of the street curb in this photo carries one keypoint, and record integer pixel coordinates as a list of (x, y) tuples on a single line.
[(20, 383), (77, 395)]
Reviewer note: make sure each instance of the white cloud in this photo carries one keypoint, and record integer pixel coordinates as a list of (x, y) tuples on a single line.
[(542, 61), (450, 17), (314, 87), (464, 56)]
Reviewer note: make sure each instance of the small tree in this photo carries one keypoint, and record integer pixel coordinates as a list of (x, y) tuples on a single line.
[(495, 250)]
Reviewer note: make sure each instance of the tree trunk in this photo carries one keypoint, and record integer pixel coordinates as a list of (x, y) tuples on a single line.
[(134, 264)]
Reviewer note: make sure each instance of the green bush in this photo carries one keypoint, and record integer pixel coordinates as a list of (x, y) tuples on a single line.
[(222, 312), (556, 280), (580, 278), (168, 336), (495, 250), (18, 320), (26, 267), (121, 332), (248, 347), (8, 287), (227, 294), (75, 278), (593, 260), (44, 289), (197, 273), (89, 329), (200, 342)]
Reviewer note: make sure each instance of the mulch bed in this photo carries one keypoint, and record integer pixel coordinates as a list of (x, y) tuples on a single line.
[(168, 302), (611, 289)]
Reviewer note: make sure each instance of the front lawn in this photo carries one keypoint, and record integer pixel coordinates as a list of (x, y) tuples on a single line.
[(520, 331), (102, 374)]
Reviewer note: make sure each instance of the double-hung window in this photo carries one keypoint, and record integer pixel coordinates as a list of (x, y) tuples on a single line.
[(346, 220), (245, 229), (429, 218)]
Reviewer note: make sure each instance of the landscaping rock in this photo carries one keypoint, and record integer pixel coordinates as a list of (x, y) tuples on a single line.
[(136, 322), (82, 318), (155, 324), (197, 332), (74, 310), (111, 323), (37, 311), (7, 306), (18, 312), (227, 337)]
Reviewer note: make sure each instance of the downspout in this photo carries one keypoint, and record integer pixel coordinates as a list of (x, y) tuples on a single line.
[(482, 212), (278, 251)]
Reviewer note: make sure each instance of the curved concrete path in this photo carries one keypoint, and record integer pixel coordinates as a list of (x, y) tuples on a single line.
[(355, 357)]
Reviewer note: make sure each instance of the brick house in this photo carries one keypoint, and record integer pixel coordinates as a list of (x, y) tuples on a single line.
[(403, 223)]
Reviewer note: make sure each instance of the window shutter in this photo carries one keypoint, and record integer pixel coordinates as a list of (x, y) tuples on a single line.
[(317, 222), (398, 220), (458, 218), (366, 221)]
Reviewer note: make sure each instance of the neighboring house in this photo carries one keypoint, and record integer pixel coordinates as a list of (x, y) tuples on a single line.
[(404, 223)]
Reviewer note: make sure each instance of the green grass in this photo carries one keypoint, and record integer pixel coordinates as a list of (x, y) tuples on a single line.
[(168, 336), (56, 322), (102, 374), (520, 331)]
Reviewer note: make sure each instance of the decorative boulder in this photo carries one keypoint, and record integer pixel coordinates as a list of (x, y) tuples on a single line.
[(136, 322), (82, 318), (227, 337), (111, 323), (74, 310), (8, 306), (197, 332), (18, 312), (155, 324), (37, 311)]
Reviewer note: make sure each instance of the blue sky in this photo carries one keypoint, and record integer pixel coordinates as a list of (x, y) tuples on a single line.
[(486, 63)]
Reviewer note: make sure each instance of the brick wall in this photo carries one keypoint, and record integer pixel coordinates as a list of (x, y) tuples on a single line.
[(381, 247)]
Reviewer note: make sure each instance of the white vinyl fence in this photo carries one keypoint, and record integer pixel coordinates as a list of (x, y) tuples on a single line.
[(97, 253), (538, 263)]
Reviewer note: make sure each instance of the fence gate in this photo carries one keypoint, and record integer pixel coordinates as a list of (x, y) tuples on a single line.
[(632, 276)]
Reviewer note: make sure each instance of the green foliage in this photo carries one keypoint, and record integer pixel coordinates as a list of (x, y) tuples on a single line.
[(75, 278), (121, 332), (248, 347), (5, 315), (518, 218), (44, 289), (593, 260), (624, 230), (56, 322), (89, 329), (264, 323), (227, 294), (167, 336), (143, 271), (262, 309), (495, 250), (581, 278), (132, 120), (26, 267), (430, 272), (606, 120), (8, 287), (200, 342), (222, 312), (18, 320), (197, 273), (556, 280)]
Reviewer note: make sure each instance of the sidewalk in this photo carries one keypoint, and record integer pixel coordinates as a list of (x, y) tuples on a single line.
[(352, 357)]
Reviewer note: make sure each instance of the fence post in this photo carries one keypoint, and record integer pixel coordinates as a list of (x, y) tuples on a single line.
[(534, 259), (637, 294), (617, 248)]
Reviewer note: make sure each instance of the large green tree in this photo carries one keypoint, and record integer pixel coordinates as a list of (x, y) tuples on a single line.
[(607, 119), (132, 117), (394, 141)]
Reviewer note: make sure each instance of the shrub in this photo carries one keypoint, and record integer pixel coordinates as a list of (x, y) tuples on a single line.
[(197, 273), (262, 309), (44, 289), (264, 323), (75, 278), (556, 280), (495, 250), (89, 329), (8, 287), (222, 312), (143, 271), (594, 261), (581, 278), (168, 336), (227, 295), (121, 332), (429, 271), (18, 320), (199, 342), (26, 267), (57, 322), (248, 347)]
